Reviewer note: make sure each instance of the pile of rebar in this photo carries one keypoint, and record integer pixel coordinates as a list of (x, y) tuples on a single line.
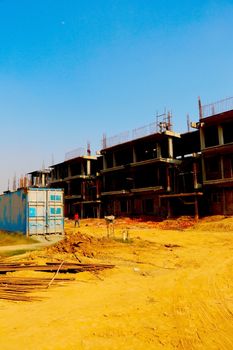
[(52, 267), (19, 288)]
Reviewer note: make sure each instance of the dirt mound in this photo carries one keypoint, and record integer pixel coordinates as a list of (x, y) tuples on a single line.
[(99, 225), (180, 223), (215, 223), (82, 245)]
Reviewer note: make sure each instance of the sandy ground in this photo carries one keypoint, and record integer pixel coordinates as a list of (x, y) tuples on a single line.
[(42, 242), (170, 289)]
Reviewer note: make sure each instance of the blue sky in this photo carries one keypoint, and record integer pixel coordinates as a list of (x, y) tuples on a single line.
[(71, 70)]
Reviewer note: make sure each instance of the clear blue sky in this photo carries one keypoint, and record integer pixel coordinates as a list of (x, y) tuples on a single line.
[(71, 70)]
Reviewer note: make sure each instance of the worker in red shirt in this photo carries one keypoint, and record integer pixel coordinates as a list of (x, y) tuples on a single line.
[(76, 219)]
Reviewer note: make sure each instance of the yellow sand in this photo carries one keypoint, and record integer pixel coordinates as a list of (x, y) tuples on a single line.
[(169, 290)]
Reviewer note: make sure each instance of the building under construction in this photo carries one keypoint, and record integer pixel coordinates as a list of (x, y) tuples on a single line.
[(78, 176), (216, 142), (153, 171), (156, 172)]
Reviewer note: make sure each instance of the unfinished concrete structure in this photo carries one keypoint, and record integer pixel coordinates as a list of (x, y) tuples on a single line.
[(79, 178), (216, 139), (39, 178), (151, 171), (185, 198)]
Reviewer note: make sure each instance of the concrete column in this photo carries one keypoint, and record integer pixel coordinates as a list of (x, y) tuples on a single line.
[(113, 159), (170, 147), (43, 180), (83, 187), (104, 183), (169, 211), (97, 188), (203, 169), (69, 171), (88, 167), (82, 211), (220, 135), (202, 138), (104, 162), (158, 175), (98, 211), (222, 167), (168, 179), (134, 155), (158, 146), (195, 184), (68, 188), (82, 169)]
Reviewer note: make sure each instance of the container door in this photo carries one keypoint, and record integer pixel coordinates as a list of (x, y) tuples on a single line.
[(36, 212), (55, 222)]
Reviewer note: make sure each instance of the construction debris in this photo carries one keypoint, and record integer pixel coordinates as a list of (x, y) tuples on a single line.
[(17, 288), (79, 245), (53, 267)]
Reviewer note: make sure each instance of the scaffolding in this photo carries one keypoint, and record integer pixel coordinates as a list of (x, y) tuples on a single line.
[(163, 121)]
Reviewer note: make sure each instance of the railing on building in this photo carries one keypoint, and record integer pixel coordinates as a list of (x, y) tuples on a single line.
[(144, 131), (78, 152), (128, 136), (115, 140), (163, 122), (216, 107)]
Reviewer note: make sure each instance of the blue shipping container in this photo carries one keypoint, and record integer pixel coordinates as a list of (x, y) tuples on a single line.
[(32, 211)]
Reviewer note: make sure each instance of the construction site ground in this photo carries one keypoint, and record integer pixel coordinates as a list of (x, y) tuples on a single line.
[(171, 288)]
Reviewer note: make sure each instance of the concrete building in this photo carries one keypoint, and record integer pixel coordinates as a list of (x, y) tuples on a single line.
[(39, 178), (80, 180), (152, 173), (216, 140)]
